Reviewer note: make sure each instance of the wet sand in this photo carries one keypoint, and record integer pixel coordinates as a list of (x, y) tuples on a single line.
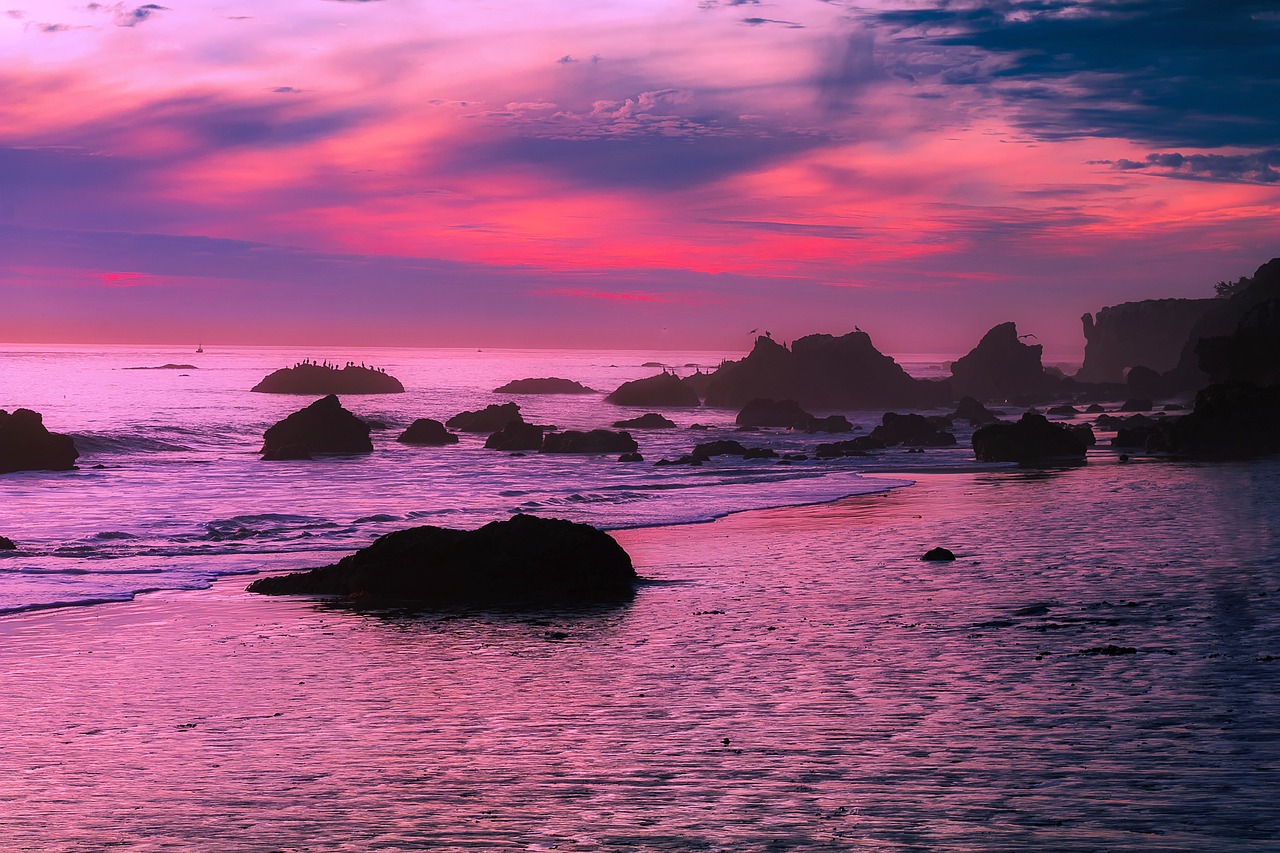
[(1095, 671)]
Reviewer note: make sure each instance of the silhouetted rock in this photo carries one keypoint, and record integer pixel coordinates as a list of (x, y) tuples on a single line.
[(652, 420), (1251, 353), (375, 424), (1151, 332), (1030, 441), (1118, 422), (287, 453), (1136, 406), (6, 544), (427, 431), (831, 423), (526, 561), (1145, 382), (491, 418), (307, 378), (821, 371), (167, 367), (1222, 320), (938, 555), (1231, 420), (774, 413), (699, 382), (595, 441), (544, 386), (631, 457), (1084, 432), (1001, 367), (664, 391), (1094, 409), (760, 453), (724, 447), (515, 436), (974, 412), (701, 427), (322, 427), (26, 445), (911, 430), (852, 447)]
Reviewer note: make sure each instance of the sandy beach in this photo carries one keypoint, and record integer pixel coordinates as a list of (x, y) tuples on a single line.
[(789, 679)]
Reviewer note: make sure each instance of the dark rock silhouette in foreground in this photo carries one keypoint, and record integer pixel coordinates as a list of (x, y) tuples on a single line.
[(1222, 321), (322, 427), (911, 430), (1030, 441), (1002, 367), (516, 436), (1151, 333), (821, 371), (491, 418), (525, 561), (652, 420), (6, 544), (1233, 420), (664, 391), (309, 378), (938, 555), (428, 432), (27, 445), (1249, 354), (544, 386), (974, 412), (595, 441)]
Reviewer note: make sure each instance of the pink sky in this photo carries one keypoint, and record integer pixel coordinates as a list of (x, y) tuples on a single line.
[(623, 174)]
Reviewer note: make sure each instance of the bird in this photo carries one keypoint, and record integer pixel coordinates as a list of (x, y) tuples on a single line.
[(1027, 335), (753, 331)]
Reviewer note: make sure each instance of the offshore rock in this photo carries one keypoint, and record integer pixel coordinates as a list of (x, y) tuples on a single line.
[(1002, 367), (852, 447), (831, 423), (6, 544), (1032, 440), (1222, 320), (595, 441), (911, 430), (516, 435), (544, 386), (489, 419), (322, 427), (938, 555), (774, 413), (526, 561), (1231, 420), (652, 420), (308, 378), (27, 445), (1151, 333), (974, 412), (664, 391), (427, 431)]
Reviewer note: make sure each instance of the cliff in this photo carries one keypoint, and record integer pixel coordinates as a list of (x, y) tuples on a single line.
[(1150, 333)]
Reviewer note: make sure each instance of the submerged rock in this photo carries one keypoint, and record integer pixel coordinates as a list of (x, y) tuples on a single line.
[(322, 427), (938, 555), (525, 561), (1032, 440), (308, 378), (664, 391), (544, 386), (287, 453), (516, 435), (427, 431), (652, 420), (27, 445), (491, 418), (595, 441)]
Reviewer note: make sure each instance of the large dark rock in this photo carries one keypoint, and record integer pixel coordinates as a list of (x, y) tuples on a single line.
[(774, 413), (831, 423), (1222, 320), (859, 446), (911, 430), (544, 386), (1002, 367), (595, 441), (1144, 382), (724, 447), (821, 371), (664, 391), (1151, 332), (322, 427), (526, 561), (489, 419), (427, 431), (26, 445), (6, 544), (1032, 440), (308, 378), (516, 436), (652, 420), (1251, 353), (974, 412), (1231, 420)]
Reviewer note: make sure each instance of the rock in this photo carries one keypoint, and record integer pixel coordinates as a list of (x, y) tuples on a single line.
[(595, 441), (1002, 367), (763, 412), (911, 430), (491, 418), (664, 391), (375, 424), (516, 436), (27, 445), (427, 431), (1251, 353), (631, 457), (1069, 411), (974, 412), (831, 423), (1032, 440), (760, 453), (6, 544), (1136, 406), (1145, 382), (852, 447), (322, 427), (1151, 332), (166, 367), (699, 427), (725, 447), (544, 386), (938, 555), (1222, 320), (1231, 420), (821, 371), (699, 382), (1094, 409), (525, 561), (650, 421), (308, 378), (1084, 432), (287, 453)]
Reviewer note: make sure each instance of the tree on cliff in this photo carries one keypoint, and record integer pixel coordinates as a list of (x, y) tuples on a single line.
[(1227, 289)]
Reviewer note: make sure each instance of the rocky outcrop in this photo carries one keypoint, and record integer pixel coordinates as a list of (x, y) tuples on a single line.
[(1151, 333), (595, 441), (652, 420), (1251, 353), (1030, 441), (911, 430), (310, 378), (322, 427), (523, 562), (821, 371), (1143, 381), (516, 436), (1002, 367), (664, 391), (489, 419), (1221, 321), (939, 555), (859, 446), (6, 544), (27, 445), (787, 414), (974, 412), (544, 386), (1231, 420), (427, 431), (831, 423)]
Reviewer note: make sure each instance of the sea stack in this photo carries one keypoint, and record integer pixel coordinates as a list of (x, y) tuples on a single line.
[(322, 427), (309, 378), (27, 445)]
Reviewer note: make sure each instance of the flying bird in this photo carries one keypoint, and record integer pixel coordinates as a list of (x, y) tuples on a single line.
[(1027, 335)]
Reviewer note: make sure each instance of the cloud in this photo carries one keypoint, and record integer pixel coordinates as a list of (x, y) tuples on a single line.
[(133, 17), (1255, 168), (756, 22), (1196, 73)]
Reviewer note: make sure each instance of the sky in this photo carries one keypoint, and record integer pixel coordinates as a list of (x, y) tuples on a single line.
[(645, 174)]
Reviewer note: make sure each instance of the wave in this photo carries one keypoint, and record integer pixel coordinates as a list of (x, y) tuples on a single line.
[(90, 444)]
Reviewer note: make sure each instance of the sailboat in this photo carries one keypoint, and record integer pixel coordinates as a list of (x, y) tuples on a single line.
[(199, 347)]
